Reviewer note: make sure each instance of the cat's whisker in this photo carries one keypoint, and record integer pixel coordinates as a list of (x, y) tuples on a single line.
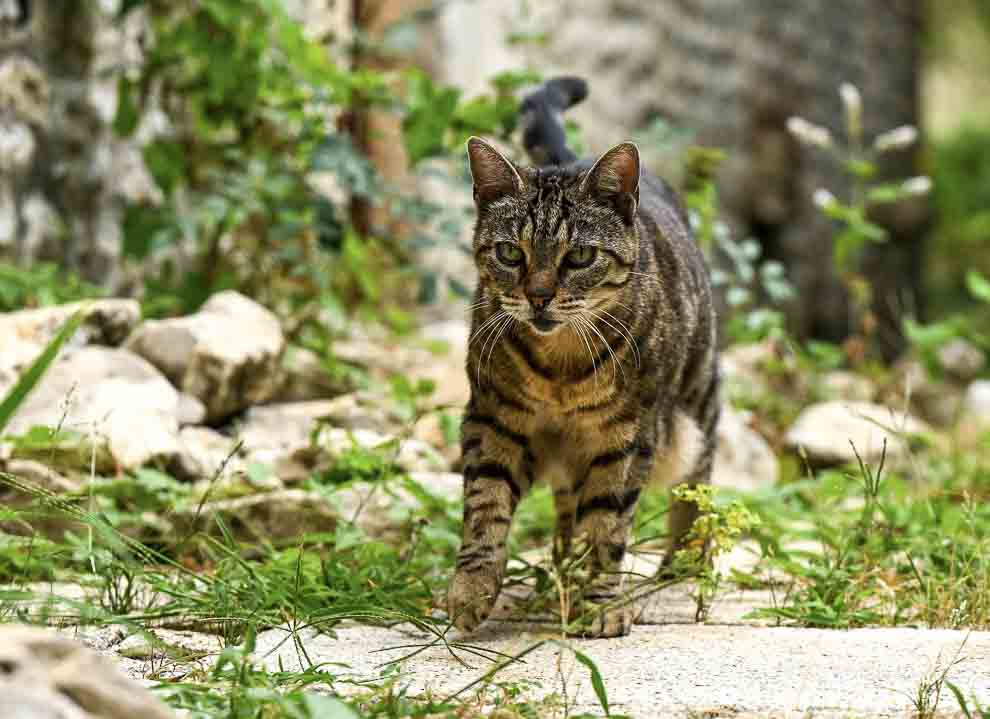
[(488, 329), (492, 339), (589, 328), (624, 306), (498, 335), (615, 360), (578, 329), (477, 306), (623, 331), (487, 323)]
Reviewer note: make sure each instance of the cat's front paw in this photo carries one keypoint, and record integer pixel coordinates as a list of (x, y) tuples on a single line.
[(599, 622), (470, 599)]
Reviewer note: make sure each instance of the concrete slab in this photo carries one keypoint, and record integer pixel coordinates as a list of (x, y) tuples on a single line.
[(673, 670)]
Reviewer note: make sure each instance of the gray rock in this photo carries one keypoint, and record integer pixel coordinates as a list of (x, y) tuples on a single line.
[(827, 432), (410, 455), (743, 459), (105, 322), (383, 509), (840, 384), (208, 453), (37, 703), (936, 401), (226, 355), (191, 410), (273, 431), (442, 363), (120, 405), (42, 475), (298, 437), (46, 676), (447, 368), (976, 406), (961, 359), (303, 377), (267, 516), (26, 332)]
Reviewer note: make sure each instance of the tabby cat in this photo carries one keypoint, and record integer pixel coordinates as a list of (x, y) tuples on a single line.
[(592, 357)]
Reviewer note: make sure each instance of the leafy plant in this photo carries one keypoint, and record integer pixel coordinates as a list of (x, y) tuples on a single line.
[(974, 327), (40, 285), (752, 288), (248, 95), (713, 533), (859, 161)]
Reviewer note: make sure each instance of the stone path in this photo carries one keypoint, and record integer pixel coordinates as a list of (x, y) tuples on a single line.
[(731, 666), (680, 670)]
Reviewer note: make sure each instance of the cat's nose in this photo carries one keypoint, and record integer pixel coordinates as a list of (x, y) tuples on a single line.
[(540, 297)]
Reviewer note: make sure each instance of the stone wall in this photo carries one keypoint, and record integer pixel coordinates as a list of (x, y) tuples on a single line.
[(65, 175)]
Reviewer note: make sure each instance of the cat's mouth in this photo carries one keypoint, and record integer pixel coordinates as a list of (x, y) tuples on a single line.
[(544, 324)]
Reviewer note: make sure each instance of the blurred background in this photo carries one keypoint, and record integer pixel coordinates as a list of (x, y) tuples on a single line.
[(309, 153)]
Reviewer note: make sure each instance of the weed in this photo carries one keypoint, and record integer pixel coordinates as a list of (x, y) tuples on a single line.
[(929, 692)]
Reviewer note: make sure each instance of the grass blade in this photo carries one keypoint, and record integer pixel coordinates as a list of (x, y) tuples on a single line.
[(27, 381), (597, 683)]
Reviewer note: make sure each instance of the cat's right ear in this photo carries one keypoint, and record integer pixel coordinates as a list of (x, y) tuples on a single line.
[(493, 175)]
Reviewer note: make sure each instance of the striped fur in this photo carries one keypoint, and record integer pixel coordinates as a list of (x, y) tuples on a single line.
[(597, 379)]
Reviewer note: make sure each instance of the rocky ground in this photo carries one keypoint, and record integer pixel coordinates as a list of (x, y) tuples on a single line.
[(240, 423)]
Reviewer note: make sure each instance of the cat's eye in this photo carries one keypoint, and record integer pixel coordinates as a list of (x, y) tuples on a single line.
[(581, 257), (509, 253)]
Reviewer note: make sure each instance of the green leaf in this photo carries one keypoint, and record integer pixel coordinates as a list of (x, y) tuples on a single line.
[(27, 381), (126, 119), (978, 286), (512, 80), (430, 111), (881, 194), (963, 704), (596, 679), (166, 162), (323, 707)]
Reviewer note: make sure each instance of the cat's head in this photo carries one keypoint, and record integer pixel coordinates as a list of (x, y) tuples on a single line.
[(554, 245)]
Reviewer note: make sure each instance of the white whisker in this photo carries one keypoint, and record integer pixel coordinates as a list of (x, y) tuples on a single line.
[(581, 333), (615, 360), (622, 329), (487, 323), (498, 334)]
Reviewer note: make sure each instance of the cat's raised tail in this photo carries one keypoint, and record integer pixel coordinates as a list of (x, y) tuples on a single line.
[(542, 124)]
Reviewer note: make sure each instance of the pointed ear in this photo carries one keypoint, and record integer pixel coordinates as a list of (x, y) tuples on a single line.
[(615, 178), (493, 175)]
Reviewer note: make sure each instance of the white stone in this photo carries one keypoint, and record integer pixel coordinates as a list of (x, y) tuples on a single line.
[(840, 384), (208, 452), (961, 359), (47, 676), (743, 459), (827, 432), (303, 377), (227, 355), (114, 398), (266, 516), (976, 406)]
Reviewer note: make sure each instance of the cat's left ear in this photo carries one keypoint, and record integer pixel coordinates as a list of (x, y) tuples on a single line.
[(615, 178), (493, 175)]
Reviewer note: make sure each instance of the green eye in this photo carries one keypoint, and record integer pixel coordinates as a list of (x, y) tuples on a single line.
[(581, 257), (509, 253)]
